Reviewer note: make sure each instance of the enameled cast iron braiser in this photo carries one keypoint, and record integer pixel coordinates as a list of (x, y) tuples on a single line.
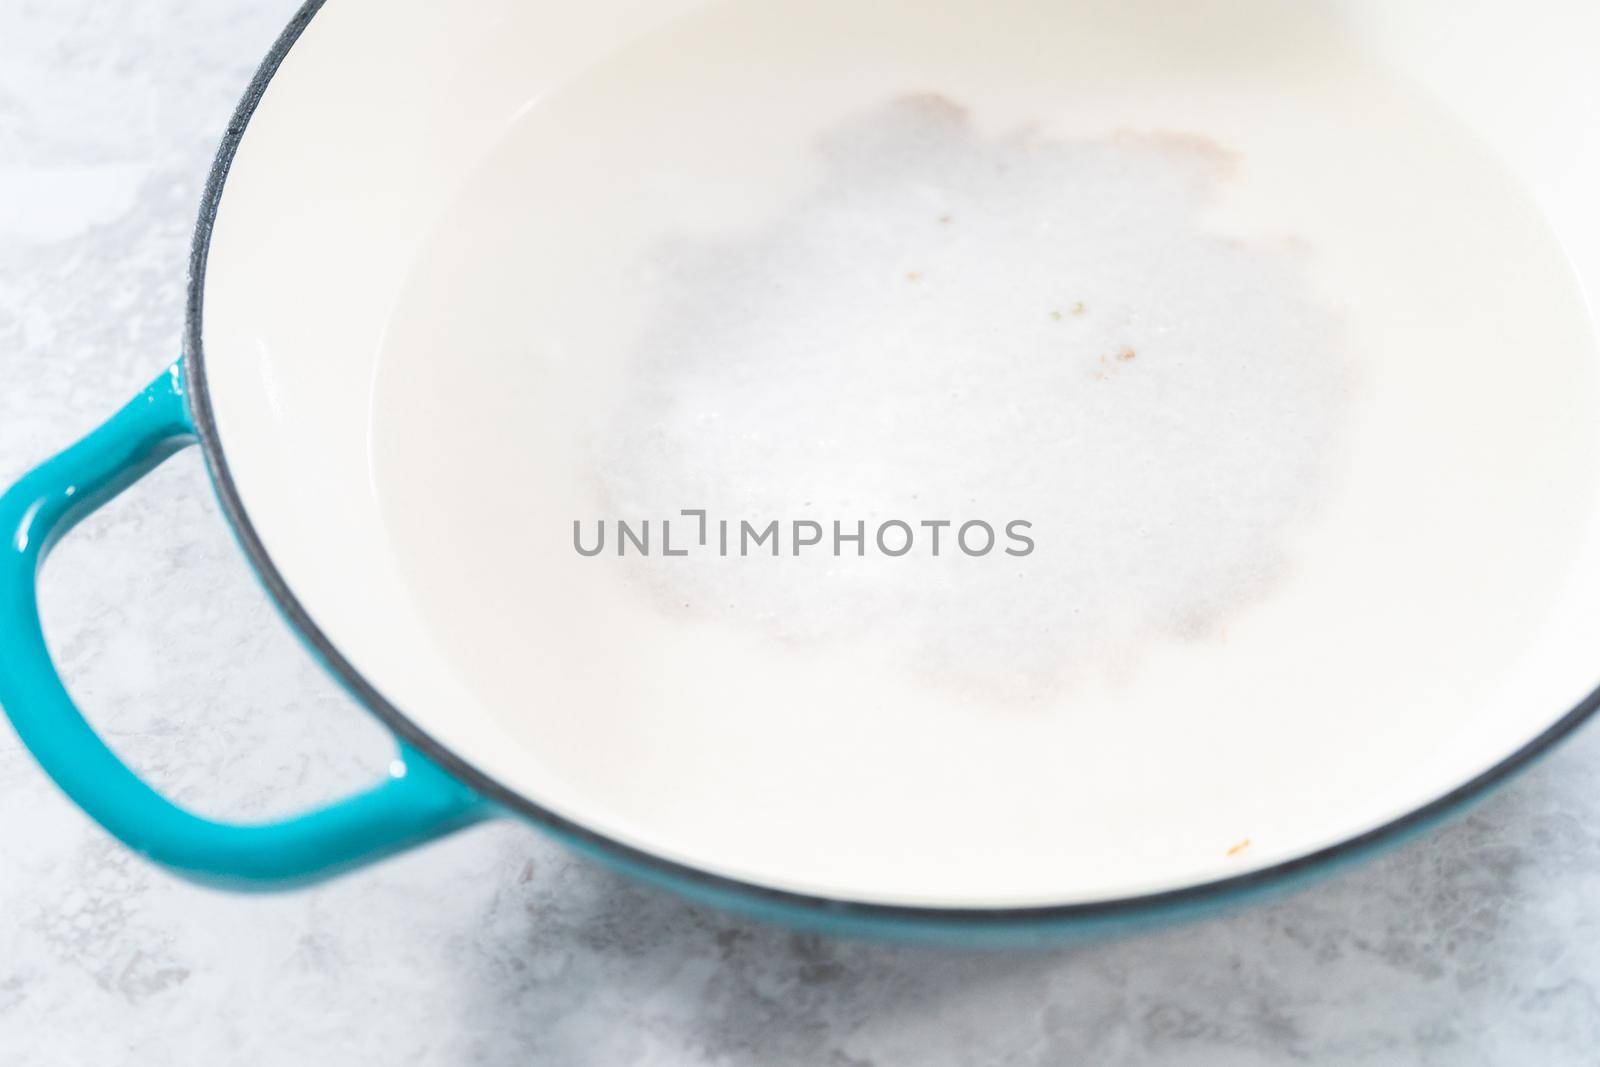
[(360, 119)]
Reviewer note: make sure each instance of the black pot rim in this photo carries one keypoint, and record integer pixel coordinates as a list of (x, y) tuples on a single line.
[(671, 871)]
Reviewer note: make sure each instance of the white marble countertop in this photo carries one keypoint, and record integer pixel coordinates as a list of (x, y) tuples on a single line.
[(1477, 944)]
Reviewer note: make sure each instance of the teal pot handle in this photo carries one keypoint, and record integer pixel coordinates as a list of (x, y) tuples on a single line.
[(415, 802)]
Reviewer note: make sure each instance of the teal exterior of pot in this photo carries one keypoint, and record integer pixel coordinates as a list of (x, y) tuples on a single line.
[(414, 802)]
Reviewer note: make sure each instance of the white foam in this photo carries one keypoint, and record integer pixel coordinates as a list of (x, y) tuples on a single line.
[(952, 326)]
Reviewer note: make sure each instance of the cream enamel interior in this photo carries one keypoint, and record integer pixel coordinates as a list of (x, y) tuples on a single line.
[(377, 117)]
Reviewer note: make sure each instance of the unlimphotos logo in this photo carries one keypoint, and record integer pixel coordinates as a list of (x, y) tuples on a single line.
[(793, 537)]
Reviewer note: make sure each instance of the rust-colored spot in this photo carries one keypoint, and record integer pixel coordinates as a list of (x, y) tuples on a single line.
[(1240, 847), (913, 275), (1126, 354), (933, 105)]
